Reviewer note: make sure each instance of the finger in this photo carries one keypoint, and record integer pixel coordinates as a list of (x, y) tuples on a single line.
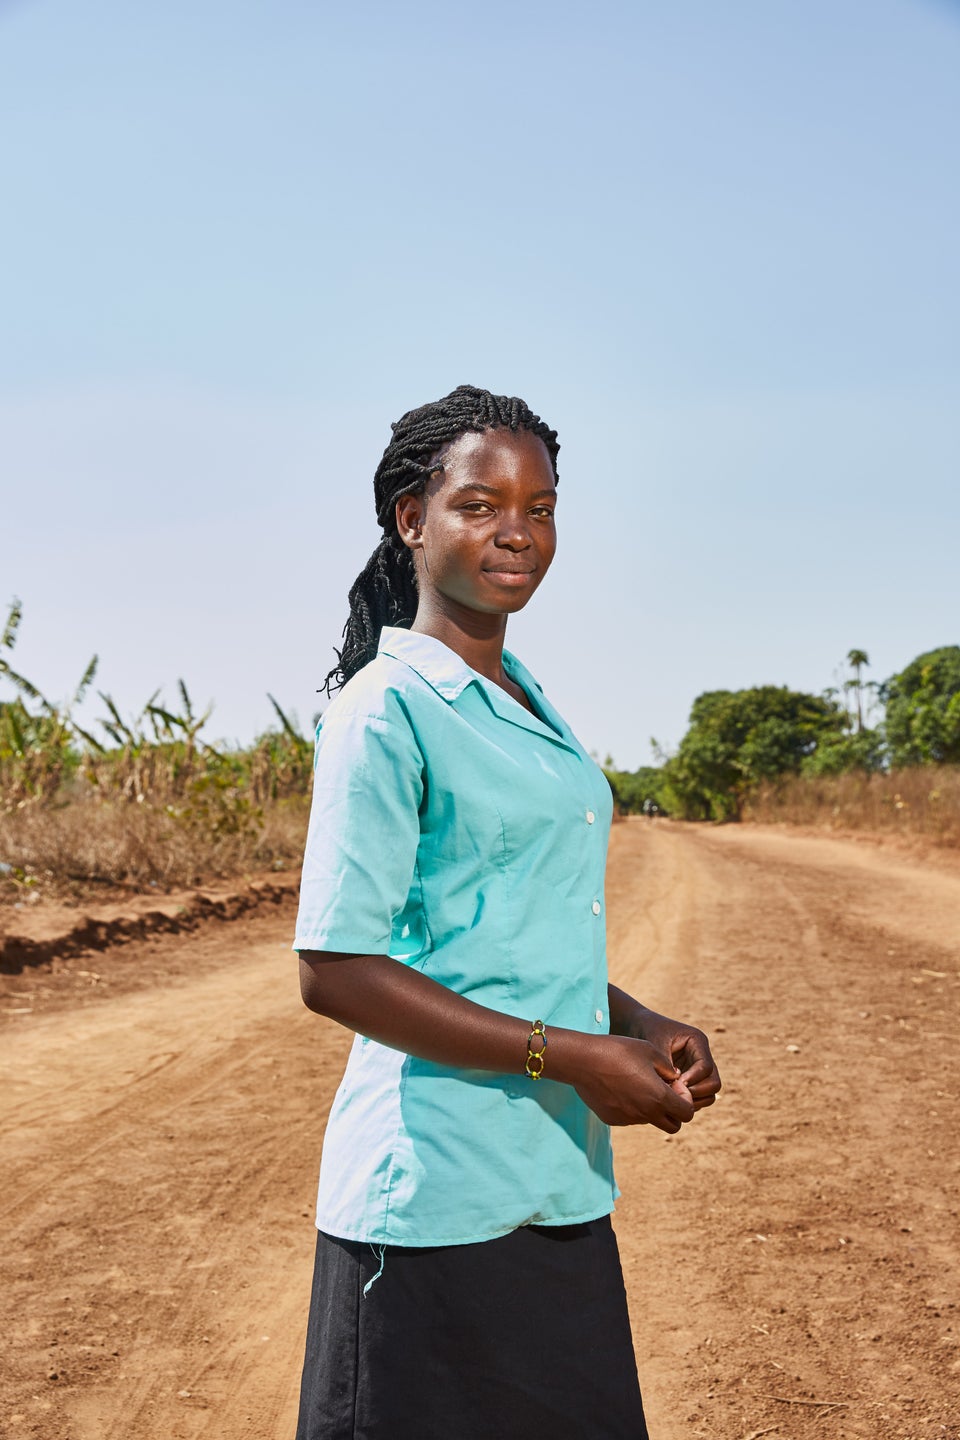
[(677, 1106), (688, 1046), (666, 1124), (701, 1072), (698, 1089), (664, 1066), (702, 1104)]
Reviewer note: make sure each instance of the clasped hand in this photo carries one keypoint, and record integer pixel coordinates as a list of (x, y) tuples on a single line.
[(660, 1074)]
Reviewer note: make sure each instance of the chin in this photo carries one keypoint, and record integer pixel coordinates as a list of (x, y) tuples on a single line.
[(508, 599), (506, 604)]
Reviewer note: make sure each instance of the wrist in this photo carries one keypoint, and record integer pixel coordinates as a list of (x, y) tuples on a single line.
[(627, 1015), (639, 1021), (571, 1054)]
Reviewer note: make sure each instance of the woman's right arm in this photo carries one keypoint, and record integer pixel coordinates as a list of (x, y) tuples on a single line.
[(625, 1081)]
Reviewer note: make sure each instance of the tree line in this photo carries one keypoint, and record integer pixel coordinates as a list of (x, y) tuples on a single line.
[(739, 739)]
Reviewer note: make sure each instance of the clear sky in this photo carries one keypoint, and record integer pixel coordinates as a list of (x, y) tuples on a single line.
[(716, 245)]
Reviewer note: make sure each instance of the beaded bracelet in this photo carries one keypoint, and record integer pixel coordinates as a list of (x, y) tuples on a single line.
[(535, 1060)]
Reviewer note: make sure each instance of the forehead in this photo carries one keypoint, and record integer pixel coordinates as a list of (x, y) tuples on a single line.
[(497, 455)]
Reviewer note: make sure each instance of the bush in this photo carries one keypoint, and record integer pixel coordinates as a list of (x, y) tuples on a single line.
[(739, 738), (639, 792), (922, 722)]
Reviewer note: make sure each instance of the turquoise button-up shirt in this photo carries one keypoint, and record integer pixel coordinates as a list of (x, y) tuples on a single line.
[(466, 837)]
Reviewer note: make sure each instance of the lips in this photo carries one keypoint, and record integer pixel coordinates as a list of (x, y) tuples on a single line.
[(512, 576)]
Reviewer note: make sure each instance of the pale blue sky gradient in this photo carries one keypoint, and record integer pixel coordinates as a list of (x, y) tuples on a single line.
[(717, 246)]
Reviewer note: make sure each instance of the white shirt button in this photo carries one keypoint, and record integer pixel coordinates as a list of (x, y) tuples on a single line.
[(599, 1017), (590, 817), (595, 907)]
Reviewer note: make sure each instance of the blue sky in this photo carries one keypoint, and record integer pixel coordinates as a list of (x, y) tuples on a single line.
[(715, 245)]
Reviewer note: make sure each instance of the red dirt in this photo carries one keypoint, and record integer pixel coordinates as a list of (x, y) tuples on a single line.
[(31, 934), (791, 1257)]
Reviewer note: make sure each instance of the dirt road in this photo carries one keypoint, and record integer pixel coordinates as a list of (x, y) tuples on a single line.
[(791, 1257)]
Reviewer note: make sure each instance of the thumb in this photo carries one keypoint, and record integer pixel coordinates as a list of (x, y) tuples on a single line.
[(664, 1066)]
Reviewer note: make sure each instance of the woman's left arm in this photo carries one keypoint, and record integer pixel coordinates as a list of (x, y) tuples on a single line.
[(687, 1046)]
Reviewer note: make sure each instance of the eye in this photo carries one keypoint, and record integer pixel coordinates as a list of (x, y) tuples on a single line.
[(542, 512), (477, 507)]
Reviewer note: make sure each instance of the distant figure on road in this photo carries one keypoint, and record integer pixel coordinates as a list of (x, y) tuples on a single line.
[(467, 1280)]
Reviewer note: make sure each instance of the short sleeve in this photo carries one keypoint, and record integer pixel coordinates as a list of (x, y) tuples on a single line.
[(361, 850)]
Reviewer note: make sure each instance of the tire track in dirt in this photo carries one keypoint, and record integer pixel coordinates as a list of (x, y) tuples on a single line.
[(798, 1242), (167, 1214), (795, 1245)]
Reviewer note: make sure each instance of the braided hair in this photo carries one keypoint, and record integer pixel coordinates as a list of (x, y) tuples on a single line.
[(385, 591)]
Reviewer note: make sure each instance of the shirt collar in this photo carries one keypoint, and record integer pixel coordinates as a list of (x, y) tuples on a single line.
[(442, 668)]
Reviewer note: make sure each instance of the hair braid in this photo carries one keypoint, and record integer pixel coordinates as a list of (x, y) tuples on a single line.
[(385, 591)]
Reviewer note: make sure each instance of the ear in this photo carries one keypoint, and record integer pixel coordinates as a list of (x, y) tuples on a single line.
[(411, 510)]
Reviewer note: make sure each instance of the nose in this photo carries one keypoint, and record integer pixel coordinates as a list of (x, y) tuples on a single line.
[(513, 532)]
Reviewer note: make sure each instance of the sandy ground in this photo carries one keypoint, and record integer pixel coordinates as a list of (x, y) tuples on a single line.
[(791, 1257)]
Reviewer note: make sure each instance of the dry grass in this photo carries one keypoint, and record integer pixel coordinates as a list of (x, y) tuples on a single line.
[(149, 803), (922, 803), (91, 846)]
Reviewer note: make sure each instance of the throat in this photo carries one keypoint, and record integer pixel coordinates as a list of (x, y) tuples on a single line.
[(515, 691), (480, 645), (477, 638)]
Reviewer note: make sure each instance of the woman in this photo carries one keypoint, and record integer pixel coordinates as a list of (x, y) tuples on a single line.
[(467, 1279)]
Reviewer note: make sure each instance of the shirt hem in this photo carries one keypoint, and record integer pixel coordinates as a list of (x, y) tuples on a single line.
[(342, 944), (376, 1237)]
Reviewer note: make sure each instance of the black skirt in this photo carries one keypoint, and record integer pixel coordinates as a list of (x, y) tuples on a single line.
[(526, 1335)]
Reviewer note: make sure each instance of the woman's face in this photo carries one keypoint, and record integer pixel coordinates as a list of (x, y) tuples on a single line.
[(483, 532)]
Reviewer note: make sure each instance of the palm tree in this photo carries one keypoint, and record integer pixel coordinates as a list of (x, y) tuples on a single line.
[(856, 659)]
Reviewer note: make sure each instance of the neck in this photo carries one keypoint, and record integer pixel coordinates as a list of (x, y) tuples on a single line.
[(476, 637)]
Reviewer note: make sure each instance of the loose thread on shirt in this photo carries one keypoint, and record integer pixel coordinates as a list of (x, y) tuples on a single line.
[(373, 1280)]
